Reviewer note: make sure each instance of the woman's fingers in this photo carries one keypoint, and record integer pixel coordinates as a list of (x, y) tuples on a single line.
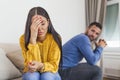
[(31, 67), (36, 23)]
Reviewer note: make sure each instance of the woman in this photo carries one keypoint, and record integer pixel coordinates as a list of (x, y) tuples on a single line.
[(41, 47)]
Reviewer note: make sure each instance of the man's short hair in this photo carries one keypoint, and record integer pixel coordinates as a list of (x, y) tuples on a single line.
[(97, 24)]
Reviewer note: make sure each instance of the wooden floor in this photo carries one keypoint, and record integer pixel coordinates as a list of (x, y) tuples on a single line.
[(110, 79), (106, 79)]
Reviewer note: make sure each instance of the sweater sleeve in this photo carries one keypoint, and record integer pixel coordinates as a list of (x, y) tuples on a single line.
[(85, 48), (52, 63), (31, 54)]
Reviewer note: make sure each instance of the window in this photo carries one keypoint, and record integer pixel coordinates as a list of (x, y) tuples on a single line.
[(112, 27)]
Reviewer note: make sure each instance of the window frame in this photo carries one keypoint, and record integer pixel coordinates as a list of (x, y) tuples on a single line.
[(111, 2)]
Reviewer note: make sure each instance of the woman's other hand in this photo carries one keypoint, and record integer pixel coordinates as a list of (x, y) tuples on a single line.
[(35, 66)]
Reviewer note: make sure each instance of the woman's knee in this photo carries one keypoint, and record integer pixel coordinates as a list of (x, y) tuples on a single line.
[(31, 76), (50, 76)]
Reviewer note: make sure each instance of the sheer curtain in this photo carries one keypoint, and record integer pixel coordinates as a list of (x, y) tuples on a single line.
[(95, 11), (111, 32)]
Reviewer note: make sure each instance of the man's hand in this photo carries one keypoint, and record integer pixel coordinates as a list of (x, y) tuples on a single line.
[(101, 43)]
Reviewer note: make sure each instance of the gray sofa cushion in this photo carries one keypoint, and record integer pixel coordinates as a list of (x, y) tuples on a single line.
[(7, 69), (18, 78), (17, 59)]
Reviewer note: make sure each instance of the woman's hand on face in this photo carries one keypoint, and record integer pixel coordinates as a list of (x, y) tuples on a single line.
[(34, 66), (36, 22)]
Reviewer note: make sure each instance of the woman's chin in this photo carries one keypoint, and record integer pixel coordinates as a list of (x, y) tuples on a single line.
[(41, 35)]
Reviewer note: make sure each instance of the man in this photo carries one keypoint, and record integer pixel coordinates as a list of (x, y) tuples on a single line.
[(80, 47)]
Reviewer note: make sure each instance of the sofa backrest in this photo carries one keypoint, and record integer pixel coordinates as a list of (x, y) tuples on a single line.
[(9, 47)]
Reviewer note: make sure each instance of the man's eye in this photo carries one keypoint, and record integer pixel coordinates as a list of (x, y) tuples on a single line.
[(92, 30), (43, 23)]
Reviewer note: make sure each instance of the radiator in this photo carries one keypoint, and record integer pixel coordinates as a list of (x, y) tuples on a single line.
[(112, 72), (111, 65)]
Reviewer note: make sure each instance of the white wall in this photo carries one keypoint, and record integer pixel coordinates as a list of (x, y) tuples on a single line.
[(68, 17)]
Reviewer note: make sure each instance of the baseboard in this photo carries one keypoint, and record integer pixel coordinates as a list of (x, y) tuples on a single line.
[(111, 77)]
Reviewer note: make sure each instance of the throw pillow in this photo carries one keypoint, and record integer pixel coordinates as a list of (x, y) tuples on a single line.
[(17, 59), (7, 69)]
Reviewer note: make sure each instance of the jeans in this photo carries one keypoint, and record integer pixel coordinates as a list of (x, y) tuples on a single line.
[(82, 71), (40, 76)]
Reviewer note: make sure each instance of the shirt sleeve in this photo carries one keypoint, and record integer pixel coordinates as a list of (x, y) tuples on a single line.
[(53, 59), (32, 53), (91, 56)]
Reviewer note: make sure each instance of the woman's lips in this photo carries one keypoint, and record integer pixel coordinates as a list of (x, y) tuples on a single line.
[(40, 33)]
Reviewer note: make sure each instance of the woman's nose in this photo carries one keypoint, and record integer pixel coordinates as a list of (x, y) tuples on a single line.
[(40, 28)]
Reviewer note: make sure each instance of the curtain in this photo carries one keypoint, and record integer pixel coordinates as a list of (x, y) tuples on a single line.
[(95, 11)]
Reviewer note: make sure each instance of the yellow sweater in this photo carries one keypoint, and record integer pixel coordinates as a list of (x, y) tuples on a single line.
[(46, 52)]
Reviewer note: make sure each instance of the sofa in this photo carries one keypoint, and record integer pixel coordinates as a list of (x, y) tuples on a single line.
[(11, 61)]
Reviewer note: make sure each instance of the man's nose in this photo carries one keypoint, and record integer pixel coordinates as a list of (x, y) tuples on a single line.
[(94, 34)]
